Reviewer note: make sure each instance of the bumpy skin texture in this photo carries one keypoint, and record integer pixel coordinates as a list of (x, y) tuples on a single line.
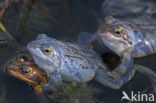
[(138, 12), (126, 39), (131, 36), (23, 68), (73, 62), (120, 75), (127, 7), (66, 61)]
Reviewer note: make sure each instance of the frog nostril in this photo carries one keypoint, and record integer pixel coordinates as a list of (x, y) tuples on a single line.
[(35, 46)]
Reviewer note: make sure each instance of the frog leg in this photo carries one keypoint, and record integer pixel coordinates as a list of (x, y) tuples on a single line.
[(85, 38), (119, 76), (111, 82), (147, 72), (92, 40), (125, 66)]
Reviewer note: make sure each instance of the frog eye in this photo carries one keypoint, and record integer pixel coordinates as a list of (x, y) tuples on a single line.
[(25, 70), (47, 50), (118, 32), (2, 41)]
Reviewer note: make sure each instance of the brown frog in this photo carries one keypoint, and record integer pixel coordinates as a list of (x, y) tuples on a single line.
[(23, 68)]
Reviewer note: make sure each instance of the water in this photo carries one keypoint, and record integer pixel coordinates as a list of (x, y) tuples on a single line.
[(64, 20)]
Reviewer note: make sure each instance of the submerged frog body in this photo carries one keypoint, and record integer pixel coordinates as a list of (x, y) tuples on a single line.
[(72, 62), (127, 7)]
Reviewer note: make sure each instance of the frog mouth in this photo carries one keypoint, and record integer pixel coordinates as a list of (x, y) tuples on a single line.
[(39, 57), (16, 74), (33, 53), (113, 40)]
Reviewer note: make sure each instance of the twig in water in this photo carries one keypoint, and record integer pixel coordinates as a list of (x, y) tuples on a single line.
[(3, 8)]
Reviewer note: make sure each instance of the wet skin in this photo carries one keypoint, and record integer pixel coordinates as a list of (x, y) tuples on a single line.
[(138, 12), (127, 7), (125, 38), (120, 36), (24, 69), (73, 62)]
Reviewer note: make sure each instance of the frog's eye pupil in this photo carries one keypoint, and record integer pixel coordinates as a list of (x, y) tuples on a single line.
[(117, 32), (25, 70), (47, 50)]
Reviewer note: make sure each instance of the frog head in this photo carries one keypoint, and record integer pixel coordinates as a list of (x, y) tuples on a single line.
[(27, 71), (117, 35), (45, 53)]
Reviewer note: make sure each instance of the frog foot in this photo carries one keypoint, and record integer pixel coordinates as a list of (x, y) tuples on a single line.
[(113, 82), (113, 74)]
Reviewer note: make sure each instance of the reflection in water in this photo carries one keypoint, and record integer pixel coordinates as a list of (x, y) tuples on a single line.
[(61, 19)]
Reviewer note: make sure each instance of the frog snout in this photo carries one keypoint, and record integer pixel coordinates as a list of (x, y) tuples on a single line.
[(35, 46), (32, 45)]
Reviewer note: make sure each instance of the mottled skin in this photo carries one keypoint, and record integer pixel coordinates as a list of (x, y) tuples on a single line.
[(71, 62), (65, 58), (23, 68), (138, 12), (126, 38), (127, 7), (64, 61), (121, 36)]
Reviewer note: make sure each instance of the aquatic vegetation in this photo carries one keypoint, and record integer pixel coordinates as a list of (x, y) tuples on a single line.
[(68, 89), (22, 20), (8, 38), (3, 8), (71, 92)]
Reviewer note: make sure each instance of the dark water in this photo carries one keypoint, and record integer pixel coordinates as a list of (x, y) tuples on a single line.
[(64, 20)]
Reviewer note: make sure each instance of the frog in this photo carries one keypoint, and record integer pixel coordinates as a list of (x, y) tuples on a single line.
[(119, 36), (122, 38), (120, 8), (69, 61), (22, 67), (2, 40), (138, 12)]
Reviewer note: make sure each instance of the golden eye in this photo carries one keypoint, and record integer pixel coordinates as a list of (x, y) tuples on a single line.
[(26, 70), (118, 32), (47, 50)]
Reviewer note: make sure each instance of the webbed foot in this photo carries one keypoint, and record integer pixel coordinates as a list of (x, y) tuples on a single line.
[(120, 75), (125, 66), (111, 82)]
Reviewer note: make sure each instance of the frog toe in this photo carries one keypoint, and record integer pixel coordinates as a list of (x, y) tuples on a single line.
[(111, 82)]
